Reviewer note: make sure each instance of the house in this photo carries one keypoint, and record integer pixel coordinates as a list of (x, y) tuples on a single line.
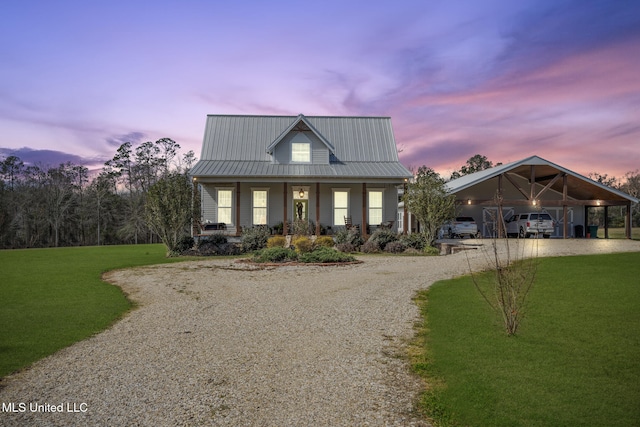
[(274, 170), (536, 184)]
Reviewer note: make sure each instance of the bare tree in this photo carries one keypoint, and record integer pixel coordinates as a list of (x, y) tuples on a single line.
[(59, 196), (513, 264)]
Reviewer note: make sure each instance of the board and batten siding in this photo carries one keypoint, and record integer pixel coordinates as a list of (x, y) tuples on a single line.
[(209, 204), (319, 151)]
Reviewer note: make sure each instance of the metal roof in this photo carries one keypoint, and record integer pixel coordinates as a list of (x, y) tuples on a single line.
[(581, 187), (221, 168), (239, 146)]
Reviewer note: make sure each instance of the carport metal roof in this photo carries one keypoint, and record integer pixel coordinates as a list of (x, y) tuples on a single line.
[(580, 189), (534, 177)]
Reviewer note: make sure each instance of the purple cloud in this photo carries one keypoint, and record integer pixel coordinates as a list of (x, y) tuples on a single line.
[(49, 157), (132, 137)]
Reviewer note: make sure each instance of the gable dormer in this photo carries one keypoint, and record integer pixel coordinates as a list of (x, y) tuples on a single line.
[(300, 143)]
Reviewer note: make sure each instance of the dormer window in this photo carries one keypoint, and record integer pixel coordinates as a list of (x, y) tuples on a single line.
[(301, 152)]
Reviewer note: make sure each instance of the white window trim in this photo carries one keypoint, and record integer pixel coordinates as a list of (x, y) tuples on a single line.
[(253, 207), (233, 195), (308, 144), (333, 204), (375, 190)]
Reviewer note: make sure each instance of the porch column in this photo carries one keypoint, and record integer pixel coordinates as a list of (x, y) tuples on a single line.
[(405, 214), (606, 222), (238, 228), (317, 208), (364, 209), (194, 221), (285, 228), (564, 206)]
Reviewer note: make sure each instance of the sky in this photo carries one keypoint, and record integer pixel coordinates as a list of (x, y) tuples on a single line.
[(501, 78)]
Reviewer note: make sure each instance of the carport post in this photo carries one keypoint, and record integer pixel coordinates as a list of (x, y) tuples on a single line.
[(627, 222), (586, 220)]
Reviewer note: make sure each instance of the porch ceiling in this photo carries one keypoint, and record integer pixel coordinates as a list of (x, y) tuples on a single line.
[(577, 188)]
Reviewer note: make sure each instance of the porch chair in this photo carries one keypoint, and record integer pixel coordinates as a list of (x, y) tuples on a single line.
[(349, 224)]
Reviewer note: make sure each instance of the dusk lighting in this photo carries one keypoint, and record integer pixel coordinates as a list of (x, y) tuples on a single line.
[(502, 79)]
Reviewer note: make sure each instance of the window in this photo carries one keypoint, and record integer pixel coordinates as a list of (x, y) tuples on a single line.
[(375, 207), (301, 152), (340, 206), (225, 201), (260, 207)]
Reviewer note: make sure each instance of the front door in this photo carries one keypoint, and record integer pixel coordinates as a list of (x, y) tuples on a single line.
[(300, 209)]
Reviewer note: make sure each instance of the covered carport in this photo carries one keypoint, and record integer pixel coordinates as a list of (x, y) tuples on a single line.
[(535, 184)]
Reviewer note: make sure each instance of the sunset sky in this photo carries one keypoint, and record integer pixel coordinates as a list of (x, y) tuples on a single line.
[(505, 79)]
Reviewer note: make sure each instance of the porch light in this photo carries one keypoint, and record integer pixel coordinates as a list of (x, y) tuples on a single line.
[(301, 193), (469, 201), (535, 202), (598, 202)]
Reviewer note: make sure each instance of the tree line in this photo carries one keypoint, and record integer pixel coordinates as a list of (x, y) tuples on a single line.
[(50, 206), (63, 205)]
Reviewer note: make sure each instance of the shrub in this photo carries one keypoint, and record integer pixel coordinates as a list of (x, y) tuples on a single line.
[(275, 255), (230, 249), (302, 244), (412, 251), (324, 242), (213, 239), (276, 242), (184, 244), (345, 247), (254, 238), (351, 236), (370, 247), (430, 250), (396, 247), (415, 241), (383, 236), (323, 230), (325, 255), (217, 247), (301, 227), (278, 228)]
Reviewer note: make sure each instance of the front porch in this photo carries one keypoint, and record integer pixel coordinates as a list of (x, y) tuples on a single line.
[(288, 208)]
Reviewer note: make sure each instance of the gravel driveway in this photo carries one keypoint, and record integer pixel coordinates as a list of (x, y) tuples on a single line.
[(219, 343)]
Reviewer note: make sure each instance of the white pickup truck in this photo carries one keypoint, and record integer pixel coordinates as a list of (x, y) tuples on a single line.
[(527, 224)]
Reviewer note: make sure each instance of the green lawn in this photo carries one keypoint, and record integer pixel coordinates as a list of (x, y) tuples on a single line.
[(51, 298), (574, 362), (618, 233)]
